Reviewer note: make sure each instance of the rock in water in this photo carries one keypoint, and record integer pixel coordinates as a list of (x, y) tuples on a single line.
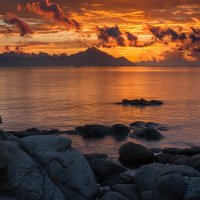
[(0, 120), (46, 168)]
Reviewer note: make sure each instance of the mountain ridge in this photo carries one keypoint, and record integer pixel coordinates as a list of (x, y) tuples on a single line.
[(90, 57)]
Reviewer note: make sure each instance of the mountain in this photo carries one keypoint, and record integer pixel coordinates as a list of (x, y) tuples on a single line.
[(91, 57)]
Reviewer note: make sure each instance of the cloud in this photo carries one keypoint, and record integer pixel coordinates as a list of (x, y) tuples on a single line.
[(52, 11), (7, 48), (19, 7), (160, 33), (194, 38), (132, 38), (196, 31), (21, 25), (111, 32)]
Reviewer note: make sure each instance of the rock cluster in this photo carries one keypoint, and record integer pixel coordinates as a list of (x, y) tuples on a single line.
[(141, 102)]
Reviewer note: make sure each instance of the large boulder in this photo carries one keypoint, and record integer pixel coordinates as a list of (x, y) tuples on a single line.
[(148, 133), (47, 167), (135, 154), (104, 169), (189, 151), (168, 182)]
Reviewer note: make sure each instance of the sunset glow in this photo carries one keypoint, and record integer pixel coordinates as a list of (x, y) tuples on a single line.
[(140, 31)]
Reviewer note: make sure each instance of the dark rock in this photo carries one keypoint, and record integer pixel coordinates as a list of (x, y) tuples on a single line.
[(105, 169), (53, 131), (155, 150), (142, 102), (171, 186), (79, 128), (0, 120), (120, 131), (194, 162), (95, 131), (23, 134), (138, 123), (32, 130), (114, 196), (3, 135), (135, 154), (93, 156), (147, 195), (163, 158), (151, 124), (122, 179), (146, 176), (72, 132), (156, 102), (174, 151), (189, 151), (180, 160), (127, 190), (148, 134)]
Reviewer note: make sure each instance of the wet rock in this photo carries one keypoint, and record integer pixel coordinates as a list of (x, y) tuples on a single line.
[(127, 190), (156, 150), (138, 123), (105, 169), (189, 151), (163, 158), (148, 133), (194, 162), (174, 151), (0, 120), (141, 102), (156, 102), (72, 132), (32, 130), (151, 124), (135, 154), (162, 128), (120, 131), (93, 156), (95, 131)]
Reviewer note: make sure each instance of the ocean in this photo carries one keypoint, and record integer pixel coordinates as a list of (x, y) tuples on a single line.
[(66, 97)]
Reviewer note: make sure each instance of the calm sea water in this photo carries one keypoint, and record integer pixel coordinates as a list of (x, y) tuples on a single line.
[(66, 97)]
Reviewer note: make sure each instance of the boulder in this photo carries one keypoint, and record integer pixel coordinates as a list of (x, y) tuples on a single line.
[(194, 162), (94, 131), (156, 150), (120, 131), (151, 124), (127, 190), (189, 151), (94, 156), (174, 151), (168, 182), (47, 167), (0, 120), (148, 133), (135, 154), (105, 169), (114, 196), (163, 158), (3, 135), (146, 176), (180, 160), (122, 179)]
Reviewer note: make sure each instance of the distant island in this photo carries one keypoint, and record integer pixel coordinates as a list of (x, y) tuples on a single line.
[(91, 57)]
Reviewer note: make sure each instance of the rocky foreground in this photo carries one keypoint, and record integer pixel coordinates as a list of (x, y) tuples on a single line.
[(43, 166)]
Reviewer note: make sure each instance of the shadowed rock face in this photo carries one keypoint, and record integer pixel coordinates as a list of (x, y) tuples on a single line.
[(45, 168)]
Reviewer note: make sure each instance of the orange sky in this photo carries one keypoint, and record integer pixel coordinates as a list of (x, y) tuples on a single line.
[(137, 30)]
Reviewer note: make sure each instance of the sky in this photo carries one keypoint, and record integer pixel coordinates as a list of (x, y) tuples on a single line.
[(145, 30)]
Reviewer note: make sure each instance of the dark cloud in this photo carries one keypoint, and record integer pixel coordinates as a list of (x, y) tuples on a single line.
[(160, 33), (52, 11), (21, 25), (132, 38), (196, 31), (194, 38), (111, 32), (7, 48)]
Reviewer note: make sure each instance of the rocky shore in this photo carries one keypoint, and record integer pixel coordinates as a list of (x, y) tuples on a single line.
[(41, 165)]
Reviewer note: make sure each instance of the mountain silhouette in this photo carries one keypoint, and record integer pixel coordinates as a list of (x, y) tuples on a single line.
[(91, 57)]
